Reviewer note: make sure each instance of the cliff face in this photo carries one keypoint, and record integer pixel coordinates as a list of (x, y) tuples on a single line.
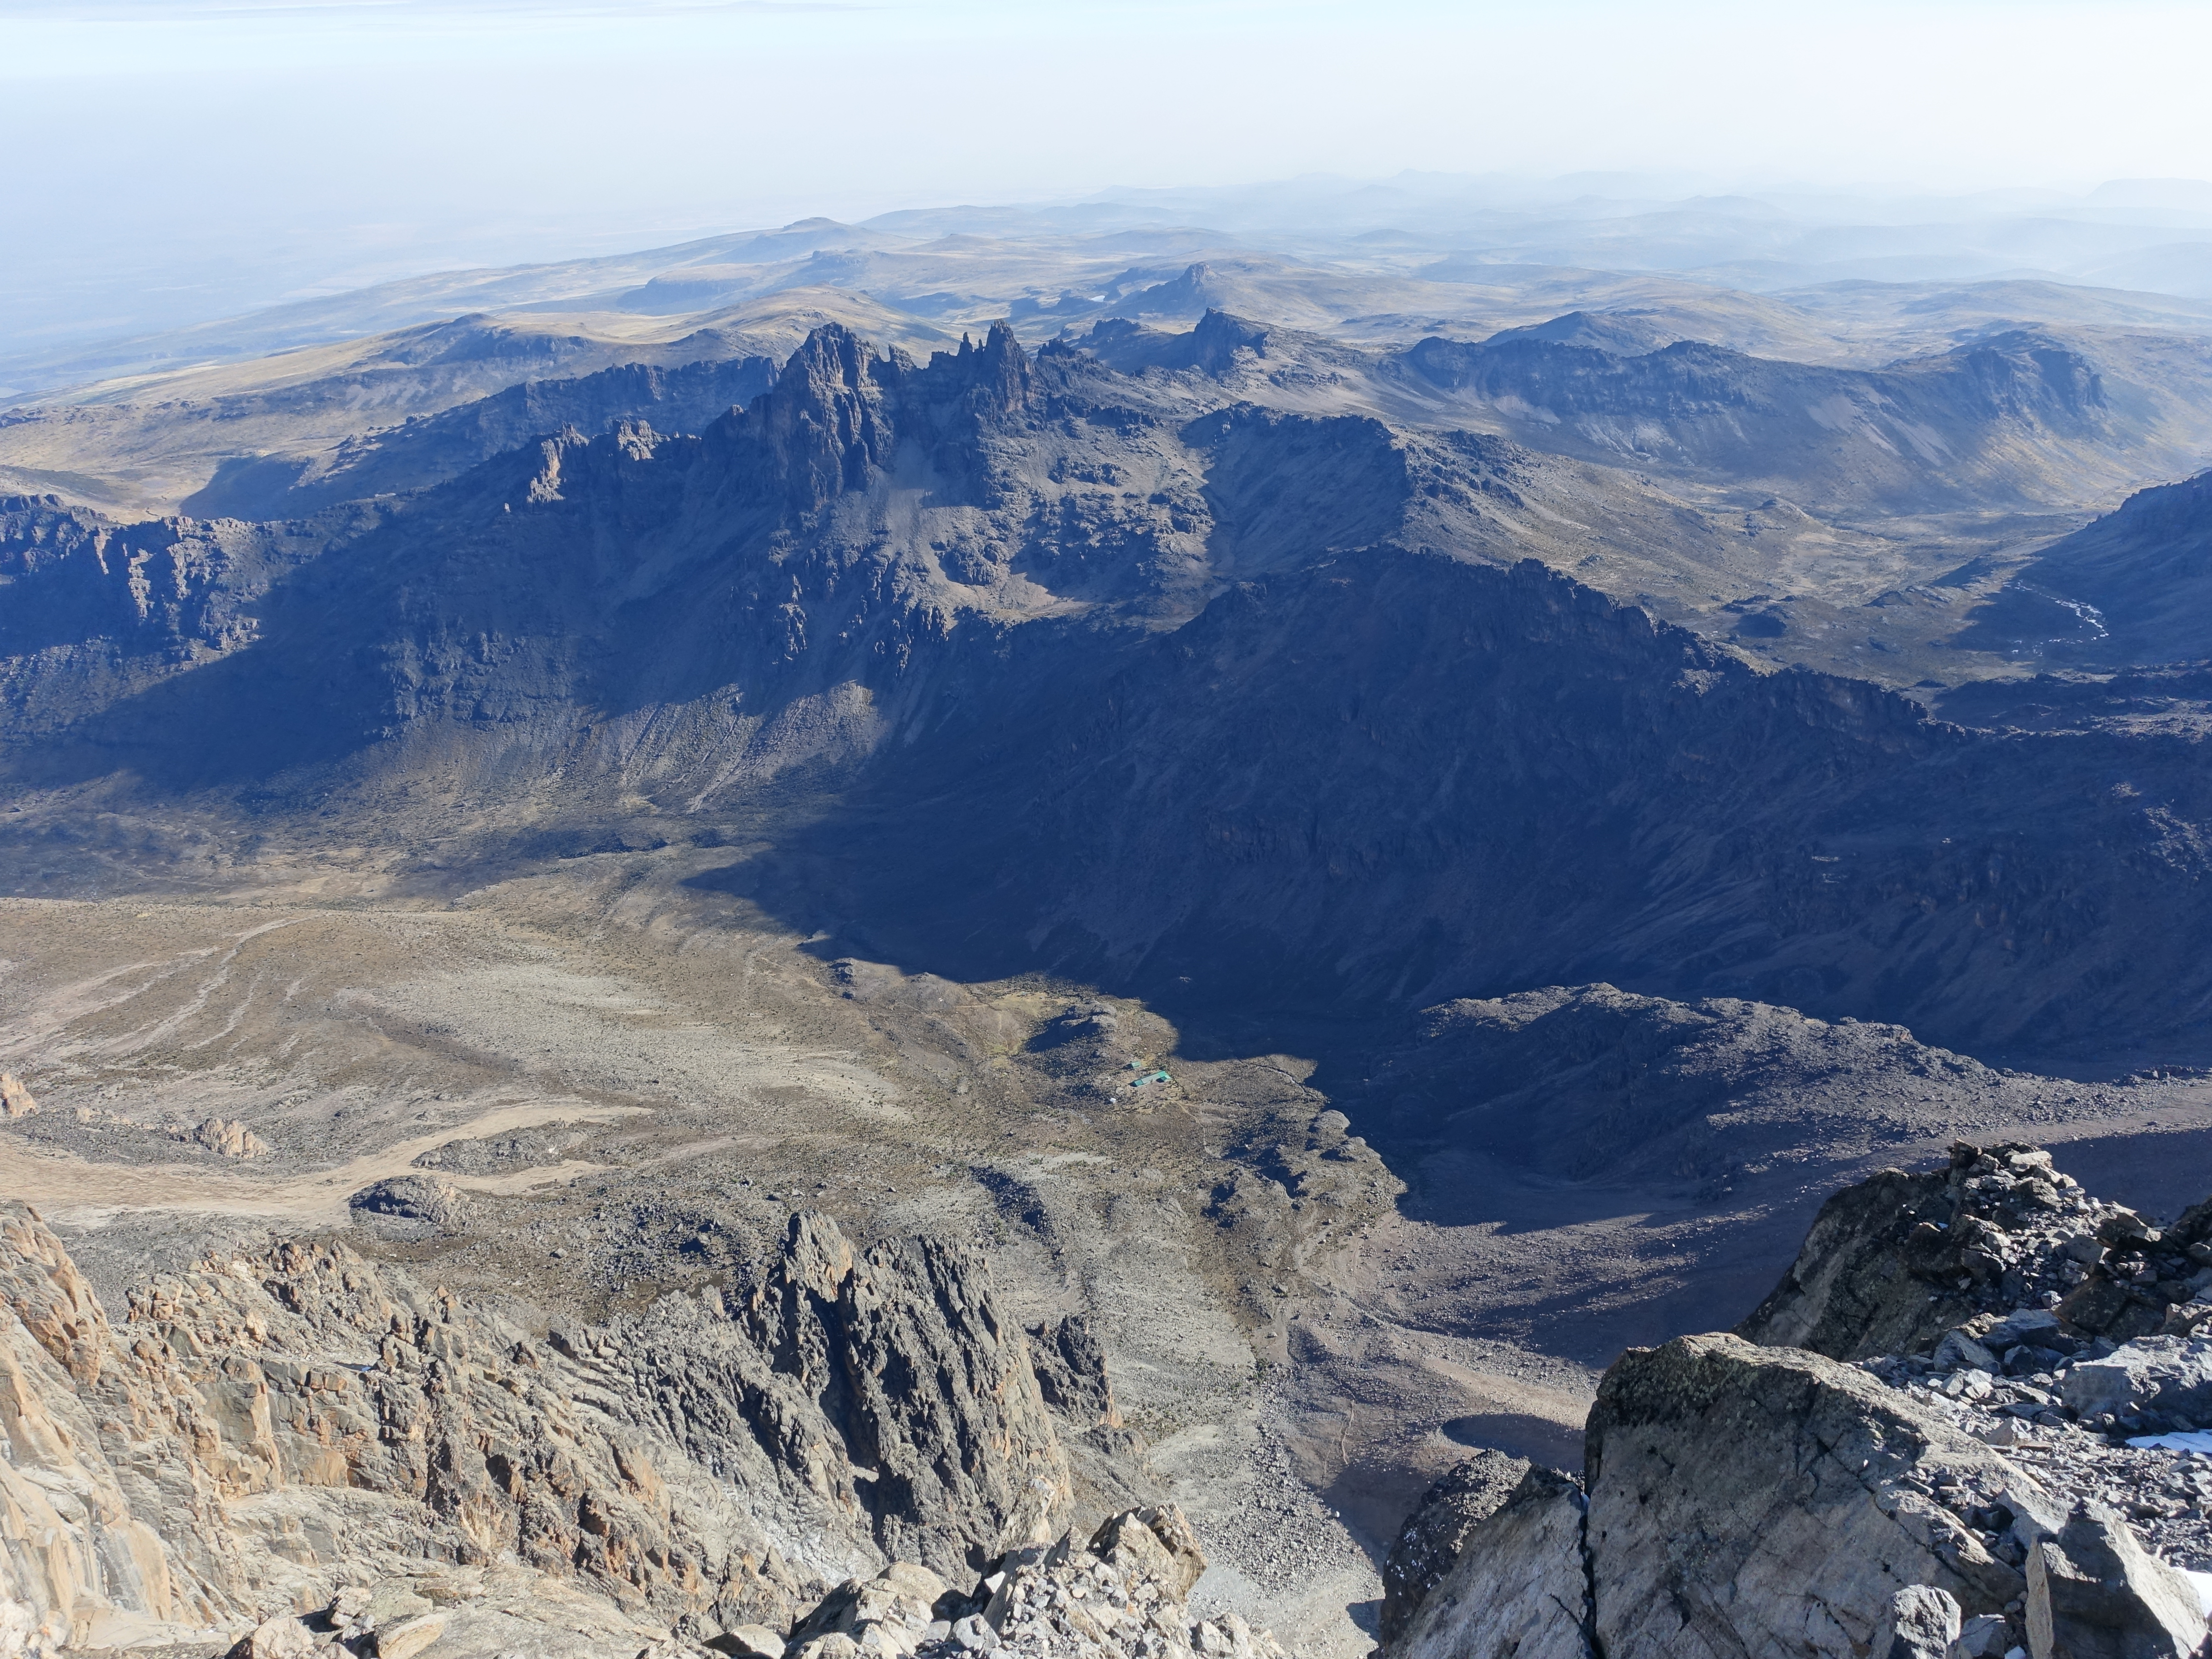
[(1982, 425), (1395, 777)]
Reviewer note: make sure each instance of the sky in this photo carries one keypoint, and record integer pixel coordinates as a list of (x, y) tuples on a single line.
[(211, 147)]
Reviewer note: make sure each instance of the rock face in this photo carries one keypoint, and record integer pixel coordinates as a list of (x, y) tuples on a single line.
[(261, 1431), (1769, 1498), (1435, 1534), (1519, 1586)]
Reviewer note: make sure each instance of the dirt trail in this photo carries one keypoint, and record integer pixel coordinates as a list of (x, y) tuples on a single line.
[(67, 1187)]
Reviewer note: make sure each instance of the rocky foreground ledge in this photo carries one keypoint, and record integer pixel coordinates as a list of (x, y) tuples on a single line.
[(1960, 1426), (1965, 1425)]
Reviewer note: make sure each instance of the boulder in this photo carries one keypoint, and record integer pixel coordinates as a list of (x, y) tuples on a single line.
[(1460, 1499), (1156, 1544), (405, 1637), (1923, 1623), (748, 1642), (1771, 1501), (284, 1637), (2095, 1593), (229, 1138), (14, 1099), (1518, 1586), (1985, 1636), (900, 1602), (2171, 1375)]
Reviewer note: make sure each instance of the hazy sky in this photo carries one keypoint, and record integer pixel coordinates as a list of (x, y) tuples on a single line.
[(333, 139)]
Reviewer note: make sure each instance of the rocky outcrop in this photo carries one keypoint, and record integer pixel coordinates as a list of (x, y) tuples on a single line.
[(929, 1386), (430, 1199), (1892, 1263), (263, 1431), (1436, 1533), (1962, 1497), (15, 1100), (229, 1138)]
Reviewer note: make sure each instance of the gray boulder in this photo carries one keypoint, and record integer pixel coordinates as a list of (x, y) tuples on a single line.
[(1517, 1588), (2171, 1375), (1985, 1636), (1430, 1543), (2094, 1593), (1923, 1623)]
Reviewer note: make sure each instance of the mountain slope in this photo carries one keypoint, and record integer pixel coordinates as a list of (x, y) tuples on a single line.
[(1236, 706)]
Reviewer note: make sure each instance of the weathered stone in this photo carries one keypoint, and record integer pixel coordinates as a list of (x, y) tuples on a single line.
[(1430, 1542), (284, 1637), (407, 1636), (902, 1599), (2169, 1374), (1957, 1349), (1155, 1543), (1922, 1622), (1518, 1587), (1985, 1636), (749, 1642), (14, 1099), (2095, 1593), (1757, 1500)]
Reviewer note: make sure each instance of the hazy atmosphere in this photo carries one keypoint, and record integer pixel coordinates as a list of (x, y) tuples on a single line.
[(186, 159), (1228, 830)]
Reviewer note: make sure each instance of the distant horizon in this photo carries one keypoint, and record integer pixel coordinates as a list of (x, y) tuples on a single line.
[(186, 159)]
